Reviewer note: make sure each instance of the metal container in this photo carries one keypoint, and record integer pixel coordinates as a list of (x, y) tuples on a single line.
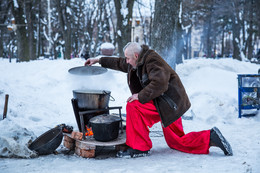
[(87, 70), (92, 99), (48, 142), (105, 127)]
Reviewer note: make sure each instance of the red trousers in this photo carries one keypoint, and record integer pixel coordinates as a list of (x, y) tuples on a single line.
[(141, 116)]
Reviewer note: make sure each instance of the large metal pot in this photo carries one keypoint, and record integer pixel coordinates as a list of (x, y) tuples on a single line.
[(105, 127), (48, 142), (92, 99)]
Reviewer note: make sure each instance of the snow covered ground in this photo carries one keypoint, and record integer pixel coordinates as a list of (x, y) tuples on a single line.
[(40, 95)]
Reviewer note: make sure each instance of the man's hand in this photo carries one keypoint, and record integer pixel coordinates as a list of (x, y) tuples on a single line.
[(91, 61), (132, 98)]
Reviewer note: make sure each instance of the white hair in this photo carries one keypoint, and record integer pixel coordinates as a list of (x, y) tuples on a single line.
[(133, 47)]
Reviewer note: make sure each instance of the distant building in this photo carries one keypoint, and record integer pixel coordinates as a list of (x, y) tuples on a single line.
[(140, 30), (196, 48)]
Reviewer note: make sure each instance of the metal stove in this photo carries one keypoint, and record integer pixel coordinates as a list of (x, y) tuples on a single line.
[(83, 115)]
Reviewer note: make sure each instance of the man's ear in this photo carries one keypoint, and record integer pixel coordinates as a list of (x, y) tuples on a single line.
[(136, 55)]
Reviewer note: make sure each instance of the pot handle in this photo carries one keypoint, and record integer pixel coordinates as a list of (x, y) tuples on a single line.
[(110, 97)]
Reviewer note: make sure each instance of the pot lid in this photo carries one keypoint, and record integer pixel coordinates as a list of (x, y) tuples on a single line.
[(104, 119), (87, 70), (88, 91)]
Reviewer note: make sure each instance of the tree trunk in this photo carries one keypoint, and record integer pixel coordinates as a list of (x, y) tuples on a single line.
[(113, 25), (99, 26), (55, 53), (124, 26), (189, 43), (38, 45), (215, 47), (222, 43), (1, 44), (89, 28), (21, 33), (179, 43), (186, 46), (250, 32), (164, 29), (236, 42), (29, 17), (65, 25), (4, 8), (243, 26), (68, 42), (236, 32), (151, 30), (208, 37)]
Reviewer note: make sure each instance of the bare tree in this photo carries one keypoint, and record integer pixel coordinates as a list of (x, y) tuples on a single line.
[(250, 23), (30, 18), (124, 18), (21, 32), (113, 22), (65, 19), (235, 17), (232, 24), (4, 7), (187, 24), (164, 29), (179, 42)]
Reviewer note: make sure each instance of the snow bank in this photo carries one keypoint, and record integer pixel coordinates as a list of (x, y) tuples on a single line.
[(14, 140), (212, 87)]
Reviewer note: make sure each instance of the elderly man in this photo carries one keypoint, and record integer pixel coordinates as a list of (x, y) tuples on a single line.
[(157, 95)]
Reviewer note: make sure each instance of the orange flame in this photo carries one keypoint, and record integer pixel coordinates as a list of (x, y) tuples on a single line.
[(89, 131)]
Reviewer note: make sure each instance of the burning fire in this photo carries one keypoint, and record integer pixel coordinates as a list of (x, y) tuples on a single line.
[(89, 131)]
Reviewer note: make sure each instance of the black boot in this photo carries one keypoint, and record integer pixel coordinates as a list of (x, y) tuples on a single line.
[(132, 153), (217, 139)]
